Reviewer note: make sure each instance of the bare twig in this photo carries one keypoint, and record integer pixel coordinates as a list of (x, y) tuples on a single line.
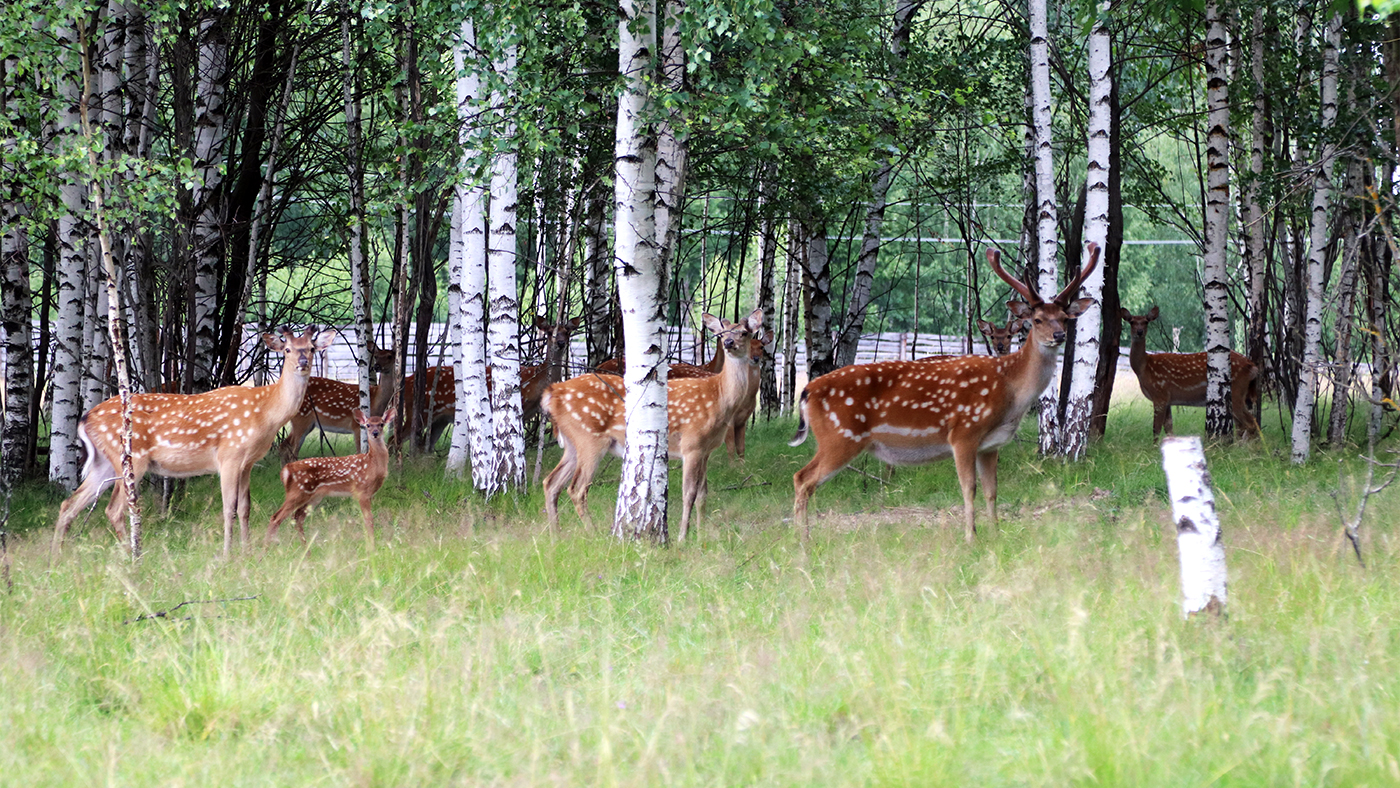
[(166, 613), (1352, 525)]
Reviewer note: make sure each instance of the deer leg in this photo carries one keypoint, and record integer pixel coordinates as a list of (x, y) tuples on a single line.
[(81, 499), (587, 466), (1161, 417), (965, 460), (829, 461), (987, 477), (300, 520), (692, 491), (365, 503), (290, 446), (245, 504), (557, 480), (228, 487)]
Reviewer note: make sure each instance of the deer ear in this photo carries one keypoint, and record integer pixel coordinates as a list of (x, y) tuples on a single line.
[(389, 414), (1019, 308), (713, 323), (1153, 314), (1079, 306), (1124, 313), (275, 342), (755, 320), (324, 339), (574, 324), (985, 327), (360, 418)]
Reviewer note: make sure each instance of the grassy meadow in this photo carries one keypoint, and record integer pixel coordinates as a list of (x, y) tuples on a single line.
[(474, 646)]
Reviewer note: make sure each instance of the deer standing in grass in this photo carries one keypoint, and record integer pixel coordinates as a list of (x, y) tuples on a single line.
[(534, 378), (334, 406), (1169, 379), (223, 431), (913, 412), (590, 420), (359, 476)]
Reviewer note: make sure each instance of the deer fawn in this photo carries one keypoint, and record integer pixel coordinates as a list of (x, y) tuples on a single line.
[(1169, 379), (534, 378), (226, 431), (334, 406), (913, 412), (359, 476), (748, 401), (590, 420)]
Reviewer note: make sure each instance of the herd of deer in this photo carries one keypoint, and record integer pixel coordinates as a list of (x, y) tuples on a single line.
[(902, 412)]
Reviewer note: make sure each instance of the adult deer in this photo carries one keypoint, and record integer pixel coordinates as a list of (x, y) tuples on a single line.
[(913, 412), (748, 401), (334, 406), (223, 431), (534, 378), (590, 420), (359, 476), (1169, 379)]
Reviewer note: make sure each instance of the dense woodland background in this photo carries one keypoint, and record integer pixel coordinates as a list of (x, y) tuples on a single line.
[(846, 164)]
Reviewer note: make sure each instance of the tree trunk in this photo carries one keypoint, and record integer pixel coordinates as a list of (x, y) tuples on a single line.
[(70, 284), (1079, 408), (1346, 304), (503, 331), (1317, 251), (1109, 302), (207, 235), (864, 277), (767, 293), (1047, 214), (672, 145), (361, 293), (793, 281), (1219, 420), (598, 277), (817, 296), (1255, 232), (641, 493), (1202, 551), (16, 307)]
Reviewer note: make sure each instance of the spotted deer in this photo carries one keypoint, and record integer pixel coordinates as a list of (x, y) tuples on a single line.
[(913, 412), (534, 378), (677, 370), (334, 405), (359, 476), (590, 420), (1169, 379), (223, 431)]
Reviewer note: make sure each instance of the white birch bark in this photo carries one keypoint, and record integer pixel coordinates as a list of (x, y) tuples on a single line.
[(1253, 230), (816, 255), (16, 307), (361, 300), (1219, 418), (1047, 214), (70, 283), (1079, 409), (1198, 534), (473, 419), (503, 330), (206, 237), (1317, 250), (641, 493), (672, 144)]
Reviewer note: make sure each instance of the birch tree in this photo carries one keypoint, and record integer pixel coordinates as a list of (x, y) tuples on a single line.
[(70, 280), (503, 330), (1219, 421), (641, 493), (1079, 408), (1317, 249), (16, 302), (474, 419), (672, 145), (1047, 214), (206, 237), (360, 295)]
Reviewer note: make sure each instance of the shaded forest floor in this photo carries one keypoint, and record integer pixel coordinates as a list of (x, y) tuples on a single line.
[(475, 646)]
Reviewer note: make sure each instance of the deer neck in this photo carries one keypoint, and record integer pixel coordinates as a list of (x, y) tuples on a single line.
[(1137, 353), (733, 380), (286, 394), (1028, 372), (379, 394)]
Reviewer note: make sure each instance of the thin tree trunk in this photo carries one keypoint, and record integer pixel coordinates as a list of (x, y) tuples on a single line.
[(1346, 304), (1047, 214), (1219, 419), (1080, 406), (207, 236), (1317, 251), (503, 330), (70, 284), (792, 299), (817, 297), (1254, 219), (767, 295), (597, 268), (1110, 302), (672, 143), (361, 294), (641, 493)]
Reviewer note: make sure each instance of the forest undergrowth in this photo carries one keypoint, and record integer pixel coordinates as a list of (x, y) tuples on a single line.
[(475, 646)]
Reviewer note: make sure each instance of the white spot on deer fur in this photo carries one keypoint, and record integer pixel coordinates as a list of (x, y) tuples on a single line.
[(985, 392), (850, 401)]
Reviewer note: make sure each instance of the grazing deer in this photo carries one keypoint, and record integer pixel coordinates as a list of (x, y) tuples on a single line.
[(334, 406), (1169, 379), (534, 378), (223, 431), (913, 412), (359, 476), (590, 420)]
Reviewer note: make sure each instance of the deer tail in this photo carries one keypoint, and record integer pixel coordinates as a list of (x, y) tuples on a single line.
[(801, 435)]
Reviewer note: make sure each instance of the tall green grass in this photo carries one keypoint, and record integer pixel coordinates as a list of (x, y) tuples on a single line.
[(475, 646)]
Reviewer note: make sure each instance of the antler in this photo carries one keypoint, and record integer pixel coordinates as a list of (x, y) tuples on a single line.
[(994, 260), (1073, 287)]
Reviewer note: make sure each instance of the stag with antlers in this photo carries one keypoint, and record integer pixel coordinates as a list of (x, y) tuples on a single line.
[(913, 412)]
